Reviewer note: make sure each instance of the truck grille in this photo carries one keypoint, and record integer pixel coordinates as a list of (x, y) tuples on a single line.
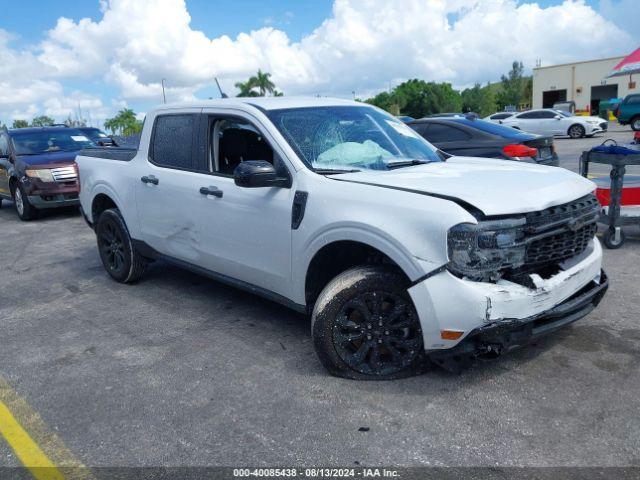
[(560, 232), (64, 174)]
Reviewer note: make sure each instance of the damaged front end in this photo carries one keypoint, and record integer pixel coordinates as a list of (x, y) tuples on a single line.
[(510, 280), (496, 338), (515, 247)]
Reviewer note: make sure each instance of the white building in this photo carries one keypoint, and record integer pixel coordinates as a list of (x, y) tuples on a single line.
[(582, 82)]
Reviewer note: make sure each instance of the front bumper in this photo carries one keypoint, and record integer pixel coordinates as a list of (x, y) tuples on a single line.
[(446, 302), (499, 337), (54, 200)]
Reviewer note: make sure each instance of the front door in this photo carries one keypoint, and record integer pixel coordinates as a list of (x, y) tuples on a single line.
[(246, 232)]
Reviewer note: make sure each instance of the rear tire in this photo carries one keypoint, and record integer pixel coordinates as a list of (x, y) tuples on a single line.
[(25, 210), (576, 131), (635, 124), (119, 257), (365, 327)]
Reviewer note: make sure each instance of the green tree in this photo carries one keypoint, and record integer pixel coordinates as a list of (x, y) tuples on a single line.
[(124, 123), (472, 98), (418, 98), (262, 81), (259, 85), (246, 89), (488, 101), (20, 124), (42, 121), (513, 86), (75, 122)]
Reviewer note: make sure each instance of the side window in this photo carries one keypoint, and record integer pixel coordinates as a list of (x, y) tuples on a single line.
[(421, 128), (4, 146), (633, 100), (438, 132), (232, 141), (528, 116), (172, 142), (500, 116), (547, 114)]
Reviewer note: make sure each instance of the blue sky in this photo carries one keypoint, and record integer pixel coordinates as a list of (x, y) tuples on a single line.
[(104, 66)]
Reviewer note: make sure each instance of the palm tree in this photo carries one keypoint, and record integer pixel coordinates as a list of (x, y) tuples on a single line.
[(263, 82), (246, 88)]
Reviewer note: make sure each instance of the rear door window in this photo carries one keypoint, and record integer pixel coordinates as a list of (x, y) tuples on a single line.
[(440, 133), (528, 116), (172, 142)]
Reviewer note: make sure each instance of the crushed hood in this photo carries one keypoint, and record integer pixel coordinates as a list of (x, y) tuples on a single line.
[(496, 187)]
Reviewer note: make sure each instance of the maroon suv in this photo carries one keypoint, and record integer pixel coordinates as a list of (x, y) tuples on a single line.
[(37, 168)]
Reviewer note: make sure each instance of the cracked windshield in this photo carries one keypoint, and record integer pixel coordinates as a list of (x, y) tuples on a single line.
[(351, 138)]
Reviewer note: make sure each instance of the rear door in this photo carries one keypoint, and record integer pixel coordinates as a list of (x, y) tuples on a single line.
[(4, 166), (550, 124), (167, 187), (448, 138), (526, 121)]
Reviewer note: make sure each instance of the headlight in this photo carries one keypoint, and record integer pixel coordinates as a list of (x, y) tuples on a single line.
[(481, 251), (593, 122), (43, 174)]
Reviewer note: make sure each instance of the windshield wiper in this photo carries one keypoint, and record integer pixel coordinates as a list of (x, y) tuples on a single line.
[(407, 163), (333, 171)]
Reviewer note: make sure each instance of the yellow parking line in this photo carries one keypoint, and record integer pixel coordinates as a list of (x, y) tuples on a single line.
[(38, 448), (25, 448)]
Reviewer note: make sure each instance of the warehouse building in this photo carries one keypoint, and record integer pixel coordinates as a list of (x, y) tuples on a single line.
[(584, 83)]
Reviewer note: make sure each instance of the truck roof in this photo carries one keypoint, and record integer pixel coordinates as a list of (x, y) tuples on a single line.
[(264, 103)]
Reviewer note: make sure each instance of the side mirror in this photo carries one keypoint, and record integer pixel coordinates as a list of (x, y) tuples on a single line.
[(258, 173), (558, 117)]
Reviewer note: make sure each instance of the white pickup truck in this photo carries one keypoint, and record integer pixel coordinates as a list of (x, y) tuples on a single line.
[(400, 253)]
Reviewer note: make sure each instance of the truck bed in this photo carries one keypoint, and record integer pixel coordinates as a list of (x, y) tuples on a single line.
[(121, 154)]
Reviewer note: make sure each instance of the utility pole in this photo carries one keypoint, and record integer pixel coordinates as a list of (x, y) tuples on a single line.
[(164, 97)]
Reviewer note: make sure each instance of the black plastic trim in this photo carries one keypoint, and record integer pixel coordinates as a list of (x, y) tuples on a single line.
[(299, 206), (147, 251)]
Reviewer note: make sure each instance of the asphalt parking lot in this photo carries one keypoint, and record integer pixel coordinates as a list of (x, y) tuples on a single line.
[(180, 370)]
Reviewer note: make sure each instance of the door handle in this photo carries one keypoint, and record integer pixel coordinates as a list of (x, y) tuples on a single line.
[(150, 179), (215, 191)]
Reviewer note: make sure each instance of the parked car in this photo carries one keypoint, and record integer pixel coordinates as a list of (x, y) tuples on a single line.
[(404, 118), (37, 168), (341, 211), (628, 111), (499, 116), (547, 121), (98, 136), (477, 138)]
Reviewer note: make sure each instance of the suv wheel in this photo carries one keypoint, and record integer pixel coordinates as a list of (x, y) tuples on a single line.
[(25, 210), (119, 257), (635, 124), (576, 131), (365, 327)]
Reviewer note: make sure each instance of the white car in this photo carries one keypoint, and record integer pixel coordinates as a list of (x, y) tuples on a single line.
[(499, 116), (547, 121), (338, 210)]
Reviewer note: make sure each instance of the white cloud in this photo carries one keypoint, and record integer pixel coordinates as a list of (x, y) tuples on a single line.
[(363, 46)]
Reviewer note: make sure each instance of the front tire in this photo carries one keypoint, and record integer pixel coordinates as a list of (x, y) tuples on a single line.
[(635, 124), (610, 241), (119, 257), (24, 209), (576, 131), (365, 327)]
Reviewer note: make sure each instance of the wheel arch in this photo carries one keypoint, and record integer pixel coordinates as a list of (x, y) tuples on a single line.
[(100, 203), (584, 130)]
